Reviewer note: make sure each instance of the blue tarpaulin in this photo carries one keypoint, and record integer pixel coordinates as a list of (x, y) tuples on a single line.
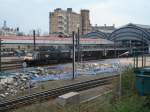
[(53, 77), (69, 75)]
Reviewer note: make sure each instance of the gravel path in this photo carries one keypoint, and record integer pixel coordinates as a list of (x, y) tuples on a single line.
[(91, 93)]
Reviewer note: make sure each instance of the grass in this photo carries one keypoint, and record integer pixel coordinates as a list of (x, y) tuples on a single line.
[(131, 104)]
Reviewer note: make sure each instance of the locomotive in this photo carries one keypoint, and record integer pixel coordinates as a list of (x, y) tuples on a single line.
[(47, 57)]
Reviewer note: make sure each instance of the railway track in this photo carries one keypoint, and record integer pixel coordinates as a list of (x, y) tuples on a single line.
[(53, 93), (11, 67), (17, 64)]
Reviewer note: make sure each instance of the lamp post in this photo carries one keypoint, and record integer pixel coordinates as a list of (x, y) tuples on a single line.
[(34, 40), (78, 42), (120, 75), (120, 78), (73, 60)]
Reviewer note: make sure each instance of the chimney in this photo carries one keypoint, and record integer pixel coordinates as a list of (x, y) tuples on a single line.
[(69, 9)]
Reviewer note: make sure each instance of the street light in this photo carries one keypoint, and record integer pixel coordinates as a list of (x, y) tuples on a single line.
[(78, 42), (120, 75), (34, 40)]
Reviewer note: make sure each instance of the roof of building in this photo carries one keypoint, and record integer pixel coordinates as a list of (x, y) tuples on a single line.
[(52, 40), (132, 31), (96, 34), (143, 26), (138, 25)]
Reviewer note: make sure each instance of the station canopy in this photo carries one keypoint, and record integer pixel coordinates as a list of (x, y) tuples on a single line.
[(95, 34), (131, 32)]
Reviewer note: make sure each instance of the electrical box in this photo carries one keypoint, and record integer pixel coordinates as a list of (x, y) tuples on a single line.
[(142, 82)]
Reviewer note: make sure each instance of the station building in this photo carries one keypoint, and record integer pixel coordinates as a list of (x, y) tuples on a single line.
[(91, 47), (130, 37), (135, 37), (11, 43)]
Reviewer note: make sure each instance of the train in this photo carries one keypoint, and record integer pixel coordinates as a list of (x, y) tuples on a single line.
[(56, 57), (47, 57)]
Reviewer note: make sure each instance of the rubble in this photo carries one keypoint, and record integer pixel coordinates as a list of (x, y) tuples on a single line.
[(11, 83)]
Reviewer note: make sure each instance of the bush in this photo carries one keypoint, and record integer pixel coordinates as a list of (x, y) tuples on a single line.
[(131, 104), (128, 82)]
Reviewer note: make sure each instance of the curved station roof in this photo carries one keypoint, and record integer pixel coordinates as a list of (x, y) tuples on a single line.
[(131, 32), (96, 34)]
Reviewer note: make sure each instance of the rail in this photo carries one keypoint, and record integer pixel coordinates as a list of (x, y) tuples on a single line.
[(53, 93)]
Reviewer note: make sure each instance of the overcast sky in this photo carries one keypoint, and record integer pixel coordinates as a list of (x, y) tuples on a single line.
[(33, 14)]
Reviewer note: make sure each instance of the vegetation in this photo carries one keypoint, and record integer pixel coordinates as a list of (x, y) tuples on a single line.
[(127, 102)]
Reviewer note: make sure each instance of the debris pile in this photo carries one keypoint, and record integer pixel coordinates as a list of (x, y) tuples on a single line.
[(11, 83)]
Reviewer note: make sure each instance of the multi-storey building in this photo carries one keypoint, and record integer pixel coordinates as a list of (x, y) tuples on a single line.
[(74, 21), (66, 21), (58, 21), (86, 27)]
